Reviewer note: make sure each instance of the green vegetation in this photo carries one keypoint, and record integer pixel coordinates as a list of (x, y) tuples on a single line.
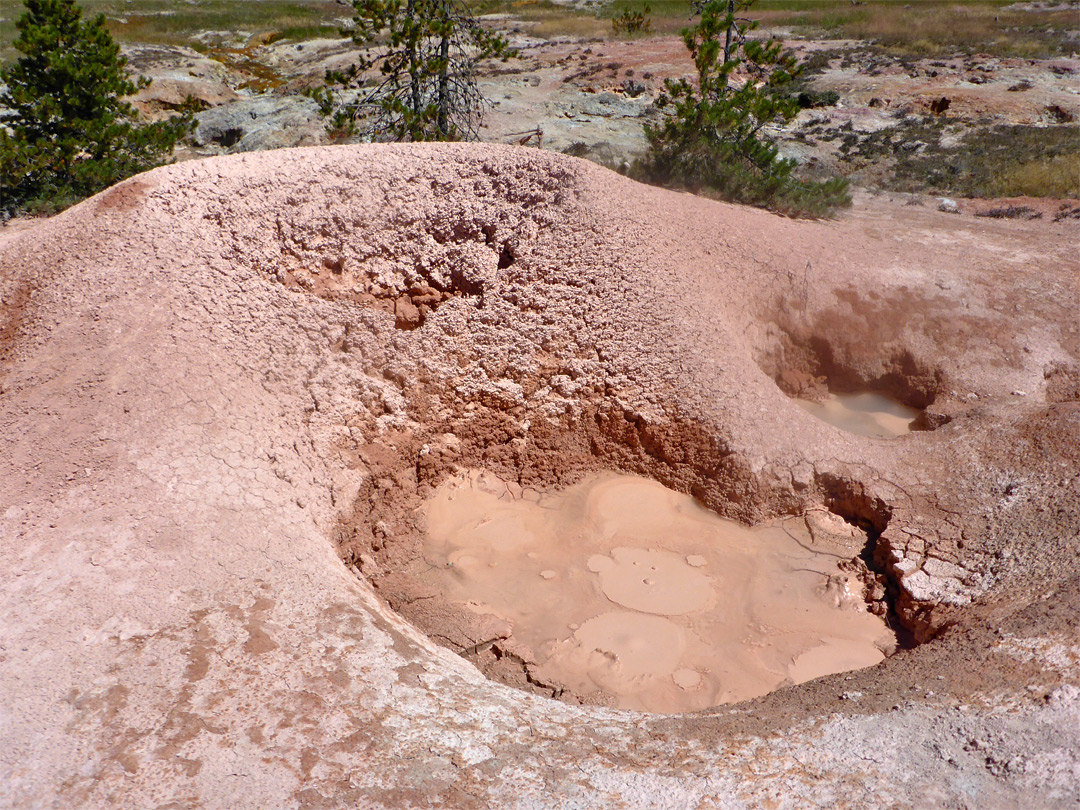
[(66, 132), (713, 139), (632, 21), (426, 53), (999, 161)]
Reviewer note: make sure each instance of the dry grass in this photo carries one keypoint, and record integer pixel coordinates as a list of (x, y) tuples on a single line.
[(917, 27), (665, 16), (931, 27), (945, 28), (1057, 178), (1006, 160), (555, 25)]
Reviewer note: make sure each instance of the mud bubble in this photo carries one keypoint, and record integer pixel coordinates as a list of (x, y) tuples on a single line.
[(622, 591)]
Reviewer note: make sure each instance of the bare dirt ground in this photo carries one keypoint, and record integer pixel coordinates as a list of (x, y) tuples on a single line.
[(226, 385)]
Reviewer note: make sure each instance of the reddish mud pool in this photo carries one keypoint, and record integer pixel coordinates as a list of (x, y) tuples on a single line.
[(623, 587)]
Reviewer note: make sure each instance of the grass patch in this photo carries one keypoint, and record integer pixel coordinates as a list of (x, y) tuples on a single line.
[(582, 26), (301, 33), (923, 28), (665, 16), (918, 28), (1004, 161), (999, 161), (932, 28), (1057, 177), (547, 20)]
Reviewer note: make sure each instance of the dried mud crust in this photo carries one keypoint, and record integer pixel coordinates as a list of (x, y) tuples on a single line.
[(193, 426)]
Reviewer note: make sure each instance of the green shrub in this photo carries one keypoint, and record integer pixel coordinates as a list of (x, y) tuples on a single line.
[(632, 22), (713, 139)]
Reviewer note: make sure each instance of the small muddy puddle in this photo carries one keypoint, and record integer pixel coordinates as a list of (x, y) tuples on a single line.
[(864, 414), (621, 586)]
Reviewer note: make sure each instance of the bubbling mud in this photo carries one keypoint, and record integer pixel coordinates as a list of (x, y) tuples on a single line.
[(624, 592), (865, 414)]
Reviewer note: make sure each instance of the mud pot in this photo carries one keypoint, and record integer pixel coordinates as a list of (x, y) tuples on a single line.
[(282, 430), (622, 587)]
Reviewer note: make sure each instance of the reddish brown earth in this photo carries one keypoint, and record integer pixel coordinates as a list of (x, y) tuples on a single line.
[(225, 387)]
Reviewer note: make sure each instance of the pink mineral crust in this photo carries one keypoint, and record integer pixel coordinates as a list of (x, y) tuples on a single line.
[(225, 387)]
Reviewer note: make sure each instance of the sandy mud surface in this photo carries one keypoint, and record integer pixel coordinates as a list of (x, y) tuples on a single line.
[(227, 388), (622, 592), (866, 413)]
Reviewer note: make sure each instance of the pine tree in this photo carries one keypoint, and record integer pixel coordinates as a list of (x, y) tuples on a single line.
[(66, 133), (713, 139), (416, 80)]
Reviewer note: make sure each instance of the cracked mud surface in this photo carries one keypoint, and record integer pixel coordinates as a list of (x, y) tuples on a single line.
[(195, 439)]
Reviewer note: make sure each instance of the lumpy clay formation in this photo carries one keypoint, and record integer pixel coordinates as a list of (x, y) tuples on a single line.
[(625, 592)]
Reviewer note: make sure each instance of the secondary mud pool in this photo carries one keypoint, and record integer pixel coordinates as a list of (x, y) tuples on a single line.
[(622, 587), (864, 414)]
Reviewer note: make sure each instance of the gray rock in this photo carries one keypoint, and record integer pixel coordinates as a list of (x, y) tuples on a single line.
[(264, 122), (177, 73), (610, 105)]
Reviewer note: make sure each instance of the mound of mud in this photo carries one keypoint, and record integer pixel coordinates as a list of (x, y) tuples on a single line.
[(227, 388)]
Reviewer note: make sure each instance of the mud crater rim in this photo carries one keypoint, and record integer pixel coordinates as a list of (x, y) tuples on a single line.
[(820, 355)]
